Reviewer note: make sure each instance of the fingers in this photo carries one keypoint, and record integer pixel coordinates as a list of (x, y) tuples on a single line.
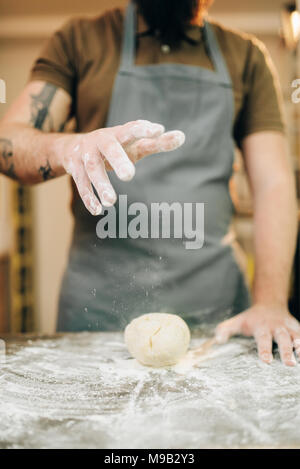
[(264, 342), (228, 328), (83, 184), (285, 345), (95, 169), (128, 133), (169, 141), (296, 341), (294, 329), (140, 138), (116, 156), (297, 345), (111, 144)]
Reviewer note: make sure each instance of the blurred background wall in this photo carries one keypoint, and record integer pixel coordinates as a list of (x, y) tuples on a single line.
[(24, 26)]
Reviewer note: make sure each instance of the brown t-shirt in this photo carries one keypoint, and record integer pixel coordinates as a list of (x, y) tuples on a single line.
[(84, 55)]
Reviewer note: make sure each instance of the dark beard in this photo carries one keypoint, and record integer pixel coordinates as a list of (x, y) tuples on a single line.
[(168, 19)]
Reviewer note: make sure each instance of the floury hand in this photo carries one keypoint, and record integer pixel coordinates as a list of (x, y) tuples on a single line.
[(265, 323), (87, 157)]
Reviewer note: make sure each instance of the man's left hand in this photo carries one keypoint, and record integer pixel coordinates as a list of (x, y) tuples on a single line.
[(265, 323)]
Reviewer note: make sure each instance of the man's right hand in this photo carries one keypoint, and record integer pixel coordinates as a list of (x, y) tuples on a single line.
[(33, 150), (88, 157)]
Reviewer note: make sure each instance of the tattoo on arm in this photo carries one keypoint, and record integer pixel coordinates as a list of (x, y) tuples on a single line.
[(46, 172), (41, 119), (7, 165), (40, 107), (6, 158)]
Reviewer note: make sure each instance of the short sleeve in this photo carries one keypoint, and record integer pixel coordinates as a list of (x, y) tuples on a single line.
[(262, 108), (56, 62)]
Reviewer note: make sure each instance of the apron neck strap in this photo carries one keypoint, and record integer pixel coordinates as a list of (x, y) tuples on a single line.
[(129, 46), (214, 52), (129, 43)]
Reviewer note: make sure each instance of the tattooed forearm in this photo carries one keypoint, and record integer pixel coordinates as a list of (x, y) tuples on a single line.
[(30, 130), (7, 165), (46, 172), (40, 107), (6, 158), (41, 119)]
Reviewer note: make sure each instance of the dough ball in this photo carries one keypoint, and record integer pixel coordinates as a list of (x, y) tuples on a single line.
[(157, 339)]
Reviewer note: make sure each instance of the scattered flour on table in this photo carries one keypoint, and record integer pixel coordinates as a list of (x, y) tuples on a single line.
[(84, 391)]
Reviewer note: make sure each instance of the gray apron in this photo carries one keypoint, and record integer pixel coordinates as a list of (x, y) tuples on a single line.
[(108, 282)]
